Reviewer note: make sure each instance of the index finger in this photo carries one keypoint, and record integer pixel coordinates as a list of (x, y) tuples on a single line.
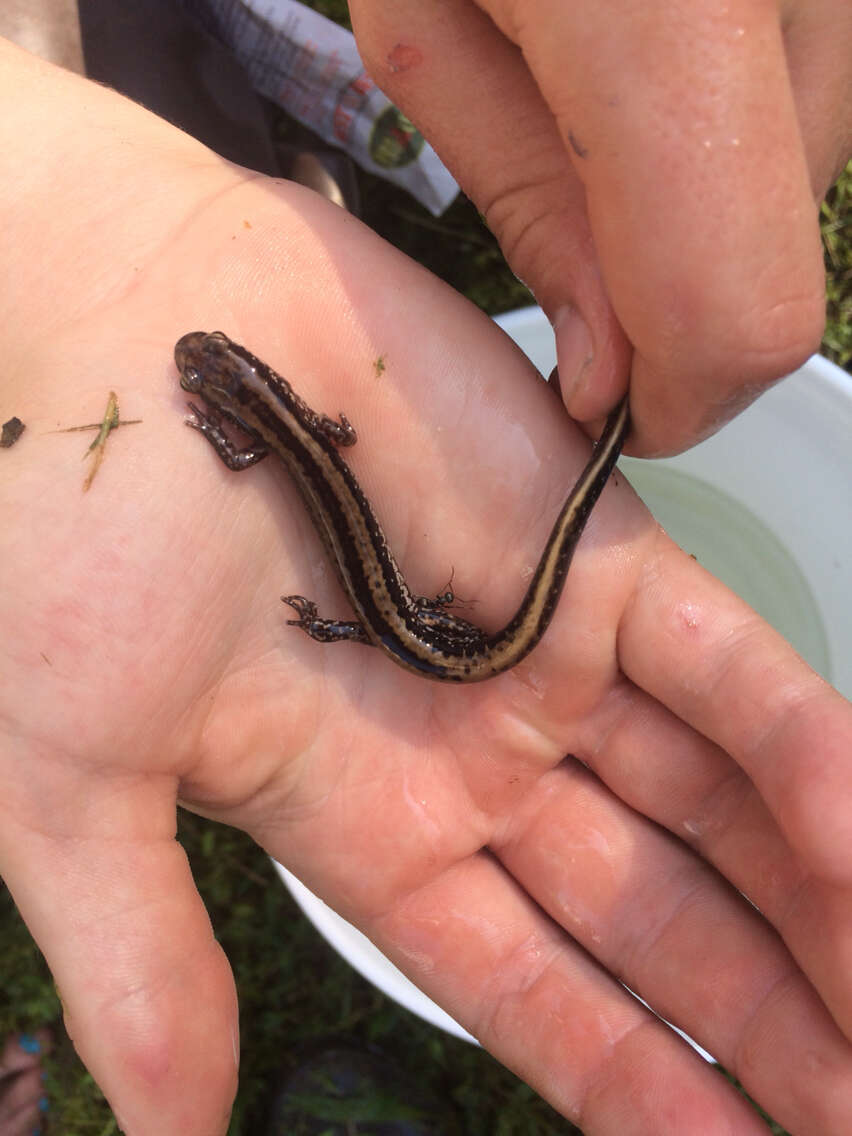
[(682, 125)]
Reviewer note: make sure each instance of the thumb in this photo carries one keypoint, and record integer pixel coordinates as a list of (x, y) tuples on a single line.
[(147, 992)]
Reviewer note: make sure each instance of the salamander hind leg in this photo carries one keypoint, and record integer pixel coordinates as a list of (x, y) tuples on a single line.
[(324, 630)]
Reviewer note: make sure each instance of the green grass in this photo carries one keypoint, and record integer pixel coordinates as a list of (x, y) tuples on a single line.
[(296, 995), (836, 219)]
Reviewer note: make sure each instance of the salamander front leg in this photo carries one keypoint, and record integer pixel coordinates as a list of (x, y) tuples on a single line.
[(339, 431), (323, 630), (210, 425)]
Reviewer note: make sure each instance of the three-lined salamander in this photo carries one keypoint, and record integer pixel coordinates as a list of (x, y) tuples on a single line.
[(418, 633)]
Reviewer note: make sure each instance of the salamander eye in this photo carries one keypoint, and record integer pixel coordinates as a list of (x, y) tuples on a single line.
[(190, 380)]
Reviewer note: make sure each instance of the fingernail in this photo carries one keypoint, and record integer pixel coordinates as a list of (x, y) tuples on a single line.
[(574, 349), (29, 1043)]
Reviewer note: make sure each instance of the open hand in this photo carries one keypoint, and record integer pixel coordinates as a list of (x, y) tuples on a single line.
[(694, 846)]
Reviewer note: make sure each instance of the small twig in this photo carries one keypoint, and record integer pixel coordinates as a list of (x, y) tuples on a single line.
[(98, 447), (96, 426), (111, 421)]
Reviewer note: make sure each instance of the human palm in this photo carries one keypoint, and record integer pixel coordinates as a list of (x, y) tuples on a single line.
[(147, 661)]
